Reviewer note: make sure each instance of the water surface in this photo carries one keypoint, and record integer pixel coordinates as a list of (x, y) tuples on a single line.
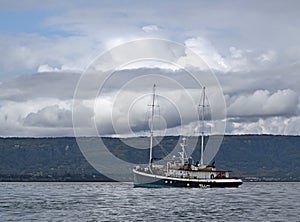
[(122, 202)]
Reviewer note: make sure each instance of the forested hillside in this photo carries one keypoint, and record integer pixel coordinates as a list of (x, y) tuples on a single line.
[(254, 157)]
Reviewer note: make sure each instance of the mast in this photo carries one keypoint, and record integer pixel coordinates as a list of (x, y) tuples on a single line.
[(151, 125), (202, 133)]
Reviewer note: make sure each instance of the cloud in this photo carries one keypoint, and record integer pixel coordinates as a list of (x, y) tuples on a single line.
[(57, 85), (50, 116), (206, 51), (47, 68), (292, 126), (271, 125), (267, 57), (63, 68), (89, 26), (13, 114), (238, 60), (128, 111), (255, 60), (43, 101), (262, 103), (150, 28), (27, 53)]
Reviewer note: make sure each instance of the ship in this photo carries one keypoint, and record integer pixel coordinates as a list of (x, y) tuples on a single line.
[(182, 171)]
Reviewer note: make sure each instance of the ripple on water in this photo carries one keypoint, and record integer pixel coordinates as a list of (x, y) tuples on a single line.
[(120, 201)]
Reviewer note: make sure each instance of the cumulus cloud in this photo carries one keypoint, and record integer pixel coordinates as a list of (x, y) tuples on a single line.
[(206, 51), (264, 113), (14, 113), (238, 60), (50, 116), (271, 125), (263, 103)]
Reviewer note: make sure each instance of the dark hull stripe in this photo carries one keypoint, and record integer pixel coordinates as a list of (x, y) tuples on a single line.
[(170, 183)]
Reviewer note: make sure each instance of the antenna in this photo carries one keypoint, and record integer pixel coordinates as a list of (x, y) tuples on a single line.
[(183, 153)]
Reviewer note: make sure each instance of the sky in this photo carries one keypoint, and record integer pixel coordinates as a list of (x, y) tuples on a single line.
[(252, 47)]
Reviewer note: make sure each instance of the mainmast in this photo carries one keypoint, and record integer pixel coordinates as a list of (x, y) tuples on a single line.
[(151, 125), (202, 132)]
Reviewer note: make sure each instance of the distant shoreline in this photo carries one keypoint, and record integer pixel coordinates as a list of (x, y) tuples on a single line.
[(133, 137), (253, 158)]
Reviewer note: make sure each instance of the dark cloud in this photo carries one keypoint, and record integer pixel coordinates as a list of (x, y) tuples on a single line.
[(269, 78), (58, 85)]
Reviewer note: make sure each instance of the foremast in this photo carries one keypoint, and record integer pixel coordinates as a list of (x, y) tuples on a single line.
[(151, 126)]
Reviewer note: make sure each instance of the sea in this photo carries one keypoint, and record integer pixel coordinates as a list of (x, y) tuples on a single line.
[(77, 201)]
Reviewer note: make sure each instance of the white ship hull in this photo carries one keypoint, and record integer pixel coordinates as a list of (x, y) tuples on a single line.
[(144, 179)]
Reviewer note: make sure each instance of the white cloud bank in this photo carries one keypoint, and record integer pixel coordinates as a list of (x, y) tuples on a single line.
[(41, 105)]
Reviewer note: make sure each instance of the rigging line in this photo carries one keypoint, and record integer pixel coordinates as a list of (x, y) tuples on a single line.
[(148, 116), (165, 152), (146, 121), (159, 115)]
